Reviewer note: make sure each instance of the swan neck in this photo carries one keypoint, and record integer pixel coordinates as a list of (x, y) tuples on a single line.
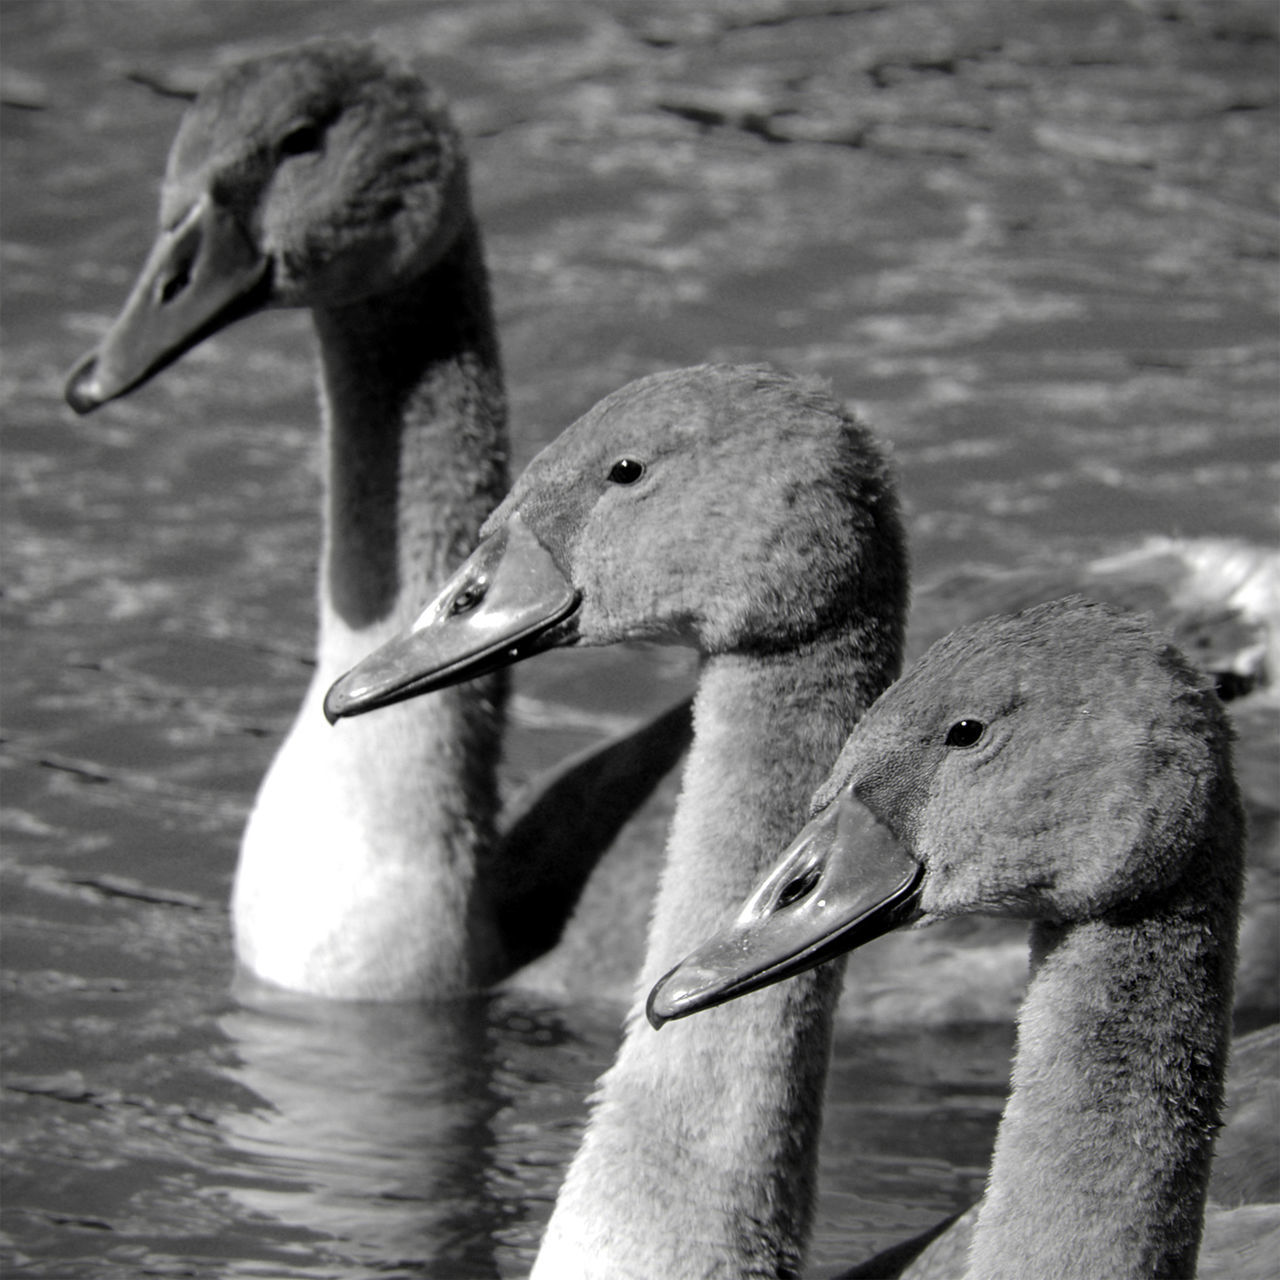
[(416, 432), (700, 1155), (363, 873), (766, 729), (1102, 1159)]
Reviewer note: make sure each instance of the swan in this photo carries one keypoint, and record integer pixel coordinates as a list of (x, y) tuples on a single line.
[(1067, 766), (1219, 601), (330, 177), (746, 513)]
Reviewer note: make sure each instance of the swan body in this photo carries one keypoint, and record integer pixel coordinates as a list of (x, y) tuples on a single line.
[(1067, 767), (747, 514), (330, 177)]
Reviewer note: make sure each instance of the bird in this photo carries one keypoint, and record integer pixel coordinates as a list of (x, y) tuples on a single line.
[(1067, 766), (747, 513), (1219, 601), (330, 176)]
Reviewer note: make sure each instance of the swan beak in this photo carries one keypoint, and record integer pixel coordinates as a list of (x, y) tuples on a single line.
[(508, 601), (841, 883), (201, 274)]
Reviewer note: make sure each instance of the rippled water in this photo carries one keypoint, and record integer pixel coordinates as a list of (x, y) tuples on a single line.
[(1035, 241)]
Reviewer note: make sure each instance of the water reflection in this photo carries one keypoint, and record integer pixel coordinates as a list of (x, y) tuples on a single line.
[(373, 1129), (427, 1140)]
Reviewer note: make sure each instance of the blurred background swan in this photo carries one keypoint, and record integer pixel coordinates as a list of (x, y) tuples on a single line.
[(373, 866)]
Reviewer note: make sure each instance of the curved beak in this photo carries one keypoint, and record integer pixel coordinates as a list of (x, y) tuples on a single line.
[(201, 274), (841, 883), (508, 601)]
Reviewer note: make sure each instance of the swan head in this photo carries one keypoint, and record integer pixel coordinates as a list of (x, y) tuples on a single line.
[(730, 508), (319, 176), (1059, 765)]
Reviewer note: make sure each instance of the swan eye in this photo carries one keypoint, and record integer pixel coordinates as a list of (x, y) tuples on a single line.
[(626, 471), (964, 733), (303, 139)]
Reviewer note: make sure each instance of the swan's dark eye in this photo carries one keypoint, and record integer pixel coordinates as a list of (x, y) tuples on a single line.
[(964, 733), (299, 141), (626, 471)]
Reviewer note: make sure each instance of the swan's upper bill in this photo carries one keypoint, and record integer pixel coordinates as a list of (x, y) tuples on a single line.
[(508, 601), (280, 168), (1041, 766), (830, 892), (202, 273)]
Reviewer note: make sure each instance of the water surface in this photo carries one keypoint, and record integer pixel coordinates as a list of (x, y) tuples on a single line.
[(1035, 242)]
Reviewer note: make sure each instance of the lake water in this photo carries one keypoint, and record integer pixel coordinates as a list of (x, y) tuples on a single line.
[(1035, 242)]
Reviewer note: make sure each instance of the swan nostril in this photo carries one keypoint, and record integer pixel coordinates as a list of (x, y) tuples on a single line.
[(800, 887), (469, 597), (172, 285)]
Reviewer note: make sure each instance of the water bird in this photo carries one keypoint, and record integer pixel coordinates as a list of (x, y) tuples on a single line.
[(748, 514), (1218, 599), (373, 866), (1068, 767)]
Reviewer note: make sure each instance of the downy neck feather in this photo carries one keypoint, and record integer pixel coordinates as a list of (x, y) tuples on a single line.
[(700, 1155), (1102, 1159)]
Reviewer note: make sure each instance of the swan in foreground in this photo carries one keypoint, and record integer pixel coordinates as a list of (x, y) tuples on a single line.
[(1067, 767), (330, 177), (747, 514)]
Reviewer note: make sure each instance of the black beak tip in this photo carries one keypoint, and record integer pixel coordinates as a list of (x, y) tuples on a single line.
[(651, 1011), (356, 693), (81, 392), (336, 704), (674, 996)]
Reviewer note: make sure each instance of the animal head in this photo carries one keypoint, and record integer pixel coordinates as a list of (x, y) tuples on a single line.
[(1058, 765), (731, 508), (320, 176)]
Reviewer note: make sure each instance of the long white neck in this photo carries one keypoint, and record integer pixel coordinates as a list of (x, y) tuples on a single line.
[(700, 1155), (1102, 1159), (358, 873)]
